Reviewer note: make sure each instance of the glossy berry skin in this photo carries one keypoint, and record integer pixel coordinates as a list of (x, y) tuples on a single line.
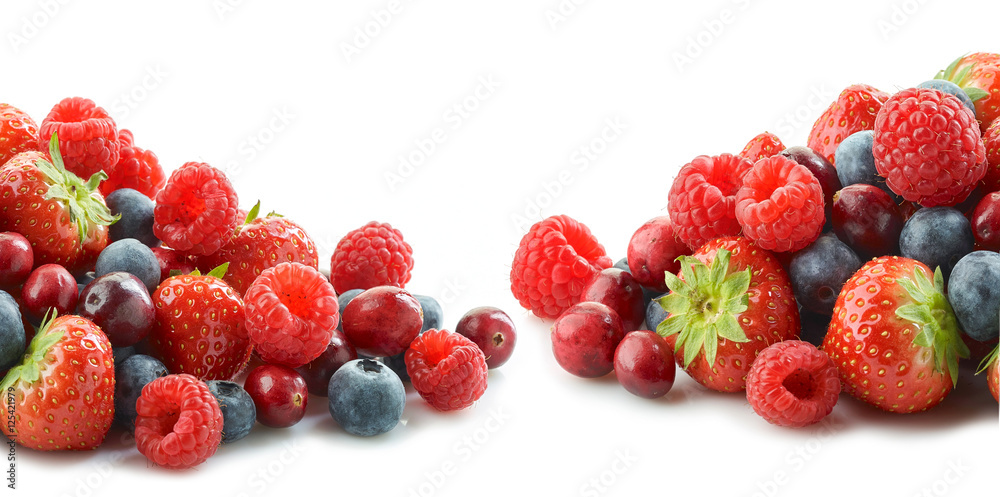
[(856, 163), (819, 271), (822, 169), (171, 260), (131, 256), (492, 331), (447, 369), (585, 337), (974, 294), (279, 394), (178, 423), (793, 384), (372, 255), (945, 86), (780, 205), (131, 376), (991, 140), (89, 136), (854, 110), (12, 337), (644, 364), (317, 372), (432, 312), (382, 321), (993, 378), (136, 221), (342, 300), (50, 286), (655, 313), (119, 303), (16, 259), (619, 291), (986, 222), (867, 220), (978, 70), (937, 236), (653, 251), (764, 145), (366, 398), (196, 211), (137, 169), (18, 132), (238, 411), (702, 199)]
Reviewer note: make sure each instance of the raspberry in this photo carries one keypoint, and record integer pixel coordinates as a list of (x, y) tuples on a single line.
[(780, 205), (702, 199), (178, 423), (928, 147), (88, 137), (991, 141), (137, 169), (554, 262), (18, 132), (291, 313), (372, 255), (447, 369), (762, 146), (196, 210), (792, 383)]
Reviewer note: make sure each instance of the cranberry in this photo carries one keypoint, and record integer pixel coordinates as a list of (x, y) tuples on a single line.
[(382, 321), (172, 260), (986, 222), (653, 251), (492, 330), (120, 305), (618, 290), (279, 394), (867, 220), (16, 259), (822, 169), (584, 339), (644, 364), (50, 286), (318, 372)]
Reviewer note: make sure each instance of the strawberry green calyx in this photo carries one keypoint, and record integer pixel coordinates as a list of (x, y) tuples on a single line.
[(253, 213), (938, 325), (83, 200), (988, 360), (703, 307), (960, 77), (30, 368), (219, 271)]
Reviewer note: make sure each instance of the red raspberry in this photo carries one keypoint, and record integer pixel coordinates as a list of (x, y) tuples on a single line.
[(853, 111), (370, 256), (928, 147), (991, 141), (137, 169), (447, 369), (88, 137), (780, 205), (792, 383), (291, 312), (554, 262), (196, 211), (179, 423), (18, 132), (764, 145), (702, 199)]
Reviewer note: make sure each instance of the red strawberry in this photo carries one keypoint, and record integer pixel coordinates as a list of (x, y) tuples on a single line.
[(992, 367), (730, 300), (18, 132), (64, 387), (979, 75), (894, 336), (64, 218), (853, 111), (762, 146), (199, 326), (261, 243), (991, 140)]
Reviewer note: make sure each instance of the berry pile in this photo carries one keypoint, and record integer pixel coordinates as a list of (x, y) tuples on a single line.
[(134, 299), (760, 244)]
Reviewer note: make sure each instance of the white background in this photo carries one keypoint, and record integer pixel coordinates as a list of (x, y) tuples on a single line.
[(267, 91)]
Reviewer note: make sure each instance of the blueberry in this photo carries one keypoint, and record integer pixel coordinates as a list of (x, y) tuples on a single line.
[(946, 86), (655, 314), (623, 265), (814, 326), (136, 211), (820, 270), (433, 315), (121, 354), (12, 337), (238, 411), (397, 364), (344, 299), (366, 397), (131, 256), (937, 236), (133, 374), (974, 294), (856, 163)]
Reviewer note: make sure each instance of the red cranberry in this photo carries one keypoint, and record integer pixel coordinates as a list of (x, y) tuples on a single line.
[(172, 260), (318, 372), (50, 286), (867, 220), (653, 251), (584, 339), (986, 222), (821, 168), (644, 364), (279, 394), (382, 321), (492, 330), (16, 259), (120, 305), (618, 290)]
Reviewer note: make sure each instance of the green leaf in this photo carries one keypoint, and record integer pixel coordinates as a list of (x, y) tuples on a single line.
[(711, 341), (688, 271), (175, 272), (985, 364), (677, 285), (219, 271), (953, 369), (959, 79), (976, 94), (736, 285), (675, 303), (938, 280), (925, 338), (916, 313), (253, 213), (94, 182), (720, 266), (692, 347), (729, 328), (671, 326)]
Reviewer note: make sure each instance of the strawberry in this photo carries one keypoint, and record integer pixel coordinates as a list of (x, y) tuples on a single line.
[(64, 218), (64, 388), (992, 367), (199, 326), (259, 244), (853, 111), (18, 132), (894, 336), (730, 300), (979, 75), (762, 146)]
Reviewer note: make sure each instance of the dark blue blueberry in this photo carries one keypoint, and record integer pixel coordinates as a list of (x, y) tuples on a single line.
[(655, 314), (366, 398), (974, 294), (820, 270), (121, 354), (856, 163), (131, 256), (648, 294), (344, 299), (433, 314), (136, 211), (12, 337), (814, 326), (623, 265), (946, 86), (130, 376), (937, 236), (238, 411), (397, 365)]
